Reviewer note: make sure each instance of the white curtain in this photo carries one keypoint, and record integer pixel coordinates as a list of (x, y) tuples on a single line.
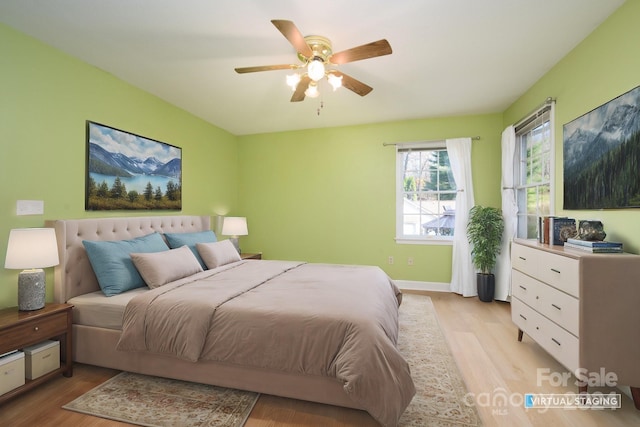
[(463, 275), (509, 213)]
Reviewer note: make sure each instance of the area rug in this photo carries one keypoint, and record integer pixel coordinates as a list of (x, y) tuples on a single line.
[(440, 389), (159, 402)]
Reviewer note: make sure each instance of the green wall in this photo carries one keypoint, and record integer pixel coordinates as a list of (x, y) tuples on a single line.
[(45, 99), (605, 65), (328, 195), (322, 195)]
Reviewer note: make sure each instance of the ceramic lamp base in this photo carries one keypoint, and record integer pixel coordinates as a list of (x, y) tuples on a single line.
[(236, 243), (31, 290)]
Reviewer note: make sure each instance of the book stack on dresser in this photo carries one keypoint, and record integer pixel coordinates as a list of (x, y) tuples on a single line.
[(594, 246)]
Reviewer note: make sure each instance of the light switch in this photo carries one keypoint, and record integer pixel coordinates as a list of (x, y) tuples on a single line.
[(30, 207)]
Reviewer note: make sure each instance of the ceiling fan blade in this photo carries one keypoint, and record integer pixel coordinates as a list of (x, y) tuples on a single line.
[(295, 37), (242, 70), (298, 95), (352, 84), (369, 50)]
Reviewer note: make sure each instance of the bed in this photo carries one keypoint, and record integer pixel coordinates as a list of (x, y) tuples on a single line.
[(364, 371)]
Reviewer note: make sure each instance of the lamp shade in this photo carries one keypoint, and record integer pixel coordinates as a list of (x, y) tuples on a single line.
[(235, 226), (31, 248)]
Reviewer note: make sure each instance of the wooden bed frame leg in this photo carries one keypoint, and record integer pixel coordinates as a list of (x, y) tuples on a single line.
[(635, 393), (520, 333)]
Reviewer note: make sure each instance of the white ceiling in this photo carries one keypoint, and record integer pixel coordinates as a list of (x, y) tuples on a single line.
[(450, 57)]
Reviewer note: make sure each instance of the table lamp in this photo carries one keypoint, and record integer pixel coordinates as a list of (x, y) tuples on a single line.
[(31, 249), (235, 226)]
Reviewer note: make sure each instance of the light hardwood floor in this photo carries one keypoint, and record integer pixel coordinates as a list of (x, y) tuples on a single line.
[(480, 335)]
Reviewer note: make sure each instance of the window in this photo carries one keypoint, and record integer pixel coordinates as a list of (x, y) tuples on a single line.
[(425, 193), (533, 170)]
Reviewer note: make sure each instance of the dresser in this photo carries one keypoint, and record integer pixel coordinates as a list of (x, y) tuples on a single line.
[(582, 308)]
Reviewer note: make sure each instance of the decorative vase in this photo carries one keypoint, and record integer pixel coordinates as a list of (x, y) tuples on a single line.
[(591, 230), (486, 284)]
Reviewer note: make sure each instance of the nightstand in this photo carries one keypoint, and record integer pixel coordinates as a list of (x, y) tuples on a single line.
[(19, 329), (251, 256)]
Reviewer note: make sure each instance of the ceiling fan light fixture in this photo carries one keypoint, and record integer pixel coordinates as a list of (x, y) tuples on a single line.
[(315, 69), (293, 80), (334, 81), (312, 91), (317, 60)]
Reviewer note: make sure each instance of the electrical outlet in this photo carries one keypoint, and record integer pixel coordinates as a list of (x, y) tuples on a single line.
[(390, 260), (410, 261)]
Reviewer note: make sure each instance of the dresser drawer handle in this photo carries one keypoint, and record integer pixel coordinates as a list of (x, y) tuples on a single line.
[(523, 317), (35, 328), (555, 306), (522, 258), (524, 288), (555, 271), (555, 341)]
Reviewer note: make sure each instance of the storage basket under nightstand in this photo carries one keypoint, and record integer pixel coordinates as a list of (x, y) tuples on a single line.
[(41, 358), (11, 371)]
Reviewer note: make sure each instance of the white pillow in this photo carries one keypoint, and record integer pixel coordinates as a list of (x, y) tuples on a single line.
[(160, 268), (218, 253)]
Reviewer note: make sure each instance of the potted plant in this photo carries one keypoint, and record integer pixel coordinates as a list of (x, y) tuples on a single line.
[(484, 232)]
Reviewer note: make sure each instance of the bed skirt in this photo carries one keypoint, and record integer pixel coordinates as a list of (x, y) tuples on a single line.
[(96, 346)]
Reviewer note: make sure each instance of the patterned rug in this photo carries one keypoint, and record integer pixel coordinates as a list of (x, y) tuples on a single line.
[(440, 390), (158, 402)]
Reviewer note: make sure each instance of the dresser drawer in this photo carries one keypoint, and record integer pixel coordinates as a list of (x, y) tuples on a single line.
[(526, 319), (560, 344), (34, 331), (525, 259), (556, 305), (560, 272), (563, 346), (525, 288)]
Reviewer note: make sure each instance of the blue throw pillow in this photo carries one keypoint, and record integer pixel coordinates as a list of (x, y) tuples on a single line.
[(177, 240), (113, 265)]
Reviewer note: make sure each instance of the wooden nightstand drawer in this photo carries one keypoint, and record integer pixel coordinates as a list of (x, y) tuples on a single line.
[(34, 331)]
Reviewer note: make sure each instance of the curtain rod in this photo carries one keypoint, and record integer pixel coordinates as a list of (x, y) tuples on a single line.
[(473, 138), (546, 102)]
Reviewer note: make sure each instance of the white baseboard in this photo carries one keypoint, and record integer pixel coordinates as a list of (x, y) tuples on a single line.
[(410, 285)]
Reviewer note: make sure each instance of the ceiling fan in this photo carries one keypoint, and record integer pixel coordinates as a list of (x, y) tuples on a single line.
[(317, 58)]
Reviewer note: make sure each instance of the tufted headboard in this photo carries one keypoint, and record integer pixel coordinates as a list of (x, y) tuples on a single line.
[(74, 275)]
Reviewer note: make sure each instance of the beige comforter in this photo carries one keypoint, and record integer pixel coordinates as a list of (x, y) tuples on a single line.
[(312, 319)]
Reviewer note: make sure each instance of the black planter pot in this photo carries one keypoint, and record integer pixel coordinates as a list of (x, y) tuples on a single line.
[(486, 286)]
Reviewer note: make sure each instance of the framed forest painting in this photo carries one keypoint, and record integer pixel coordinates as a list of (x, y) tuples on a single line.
[(602, 156), (126, 171)]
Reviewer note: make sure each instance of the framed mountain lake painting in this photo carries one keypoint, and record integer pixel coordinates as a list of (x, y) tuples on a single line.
[(126, 171), (601, 152)]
